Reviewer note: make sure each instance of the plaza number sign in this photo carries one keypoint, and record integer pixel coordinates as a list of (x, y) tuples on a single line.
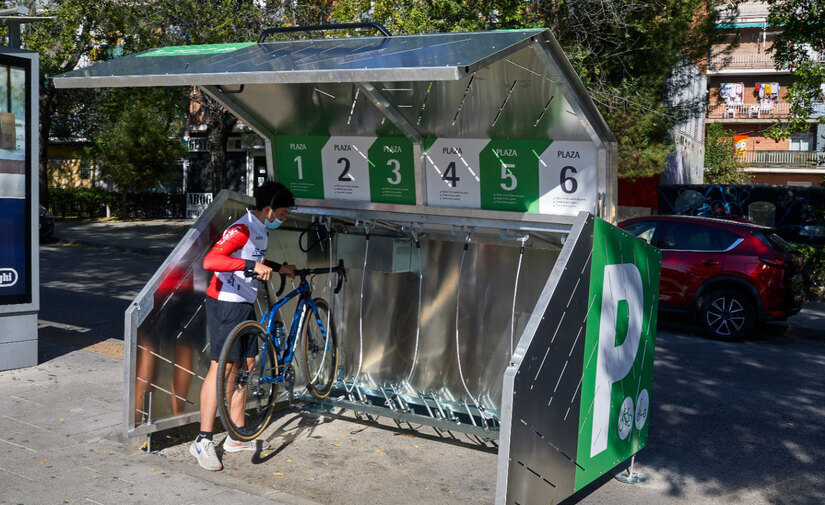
[(536, 176)]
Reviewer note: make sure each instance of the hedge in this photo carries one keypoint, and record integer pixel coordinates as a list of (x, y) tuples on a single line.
[(91, 203)]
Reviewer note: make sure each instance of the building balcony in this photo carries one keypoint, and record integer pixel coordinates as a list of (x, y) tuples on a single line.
[(757, 111), (750, 10), (784, 159), (747, 10), (742, 60), (750, 62)]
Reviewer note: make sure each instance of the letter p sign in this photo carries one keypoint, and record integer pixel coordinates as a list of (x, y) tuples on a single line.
[(622, 283)]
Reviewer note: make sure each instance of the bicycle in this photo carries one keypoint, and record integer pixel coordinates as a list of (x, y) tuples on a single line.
[(267, 356)]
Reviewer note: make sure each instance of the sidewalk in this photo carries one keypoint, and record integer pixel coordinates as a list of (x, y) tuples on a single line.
[(150, 238), (60, 425), (61, 422)]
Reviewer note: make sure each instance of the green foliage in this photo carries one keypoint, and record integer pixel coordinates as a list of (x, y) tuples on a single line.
[(78, 202), (802, 36), (135, 149), (813, 274), (91, 203), (623, 50), (721, 165)]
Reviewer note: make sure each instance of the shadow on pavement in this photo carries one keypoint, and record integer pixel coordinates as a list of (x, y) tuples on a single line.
[(735, 416)]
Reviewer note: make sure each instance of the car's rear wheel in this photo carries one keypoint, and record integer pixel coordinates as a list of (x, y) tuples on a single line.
[(727, 314)]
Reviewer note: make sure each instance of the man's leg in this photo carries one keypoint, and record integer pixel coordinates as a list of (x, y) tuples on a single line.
[(237, 400), (209, 402), (203, 448)]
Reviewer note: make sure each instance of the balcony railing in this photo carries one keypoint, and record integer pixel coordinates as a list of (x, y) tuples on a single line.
[(799, 159), (758, 111), (747, 10), (742, 60), (748, 111), (753, 10)]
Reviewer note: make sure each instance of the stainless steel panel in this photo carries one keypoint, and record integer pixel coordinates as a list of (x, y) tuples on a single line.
[(391, 313), (361, 59), (165, 334), (540, 411)]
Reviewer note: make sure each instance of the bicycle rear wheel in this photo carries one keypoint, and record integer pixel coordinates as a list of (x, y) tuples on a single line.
[(246, 388), (320, 351)]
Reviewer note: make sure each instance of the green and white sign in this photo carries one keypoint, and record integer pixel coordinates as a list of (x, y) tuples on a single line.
[(299, 164), (535, 176), (510, 175), (346, 168), (366, 169), (392, 171), (618, 353), (568, 178), (196, 50), (453, 173)]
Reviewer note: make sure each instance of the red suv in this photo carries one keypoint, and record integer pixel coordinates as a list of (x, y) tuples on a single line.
[(730, 274)]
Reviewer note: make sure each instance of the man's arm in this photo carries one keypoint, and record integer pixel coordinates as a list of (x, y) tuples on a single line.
[(219, 260)]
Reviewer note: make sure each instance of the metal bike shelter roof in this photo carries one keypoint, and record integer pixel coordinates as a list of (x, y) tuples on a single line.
[(485, 85)]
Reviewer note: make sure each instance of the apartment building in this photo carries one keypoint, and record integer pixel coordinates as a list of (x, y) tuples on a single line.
[(746, 92)]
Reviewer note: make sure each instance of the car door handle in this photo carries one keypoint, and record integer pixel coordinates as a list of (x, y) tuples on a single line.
[(710, 263)]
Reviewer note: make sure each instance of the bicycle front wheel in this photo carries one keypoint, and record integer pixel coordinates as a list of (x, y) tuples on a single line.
[(246, 385), (320, 351)]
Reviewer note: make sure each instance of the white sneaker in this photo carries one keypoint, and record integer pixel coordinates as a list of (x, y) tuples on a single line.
[(204, 452), (232, 445)]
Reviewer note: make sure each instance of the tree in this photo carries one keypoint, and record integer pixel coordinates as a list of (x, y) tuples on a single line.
[(175, 22), (80, 28), (799, 46), (721, 164), (136, 149), (623, 50)]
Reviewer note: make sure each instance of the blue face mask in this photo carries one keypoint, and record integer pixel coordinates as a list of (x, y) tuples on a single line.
[(273, 225)]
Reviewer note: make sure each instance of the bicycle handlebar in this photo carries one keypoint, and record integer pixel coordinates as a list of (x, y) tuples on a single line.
[(303, 273)]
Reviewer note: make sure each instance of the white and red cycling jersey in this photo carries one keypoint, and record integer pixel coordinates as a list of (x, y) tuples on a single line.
[(241, 245)]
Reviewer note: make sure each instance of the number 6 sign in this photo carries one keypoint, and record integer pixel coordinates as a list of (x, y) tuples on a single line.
[(567, 178)]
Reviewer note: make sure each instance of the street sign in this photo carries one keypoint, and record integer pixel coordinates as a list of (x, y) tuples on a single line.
[(196, 204)]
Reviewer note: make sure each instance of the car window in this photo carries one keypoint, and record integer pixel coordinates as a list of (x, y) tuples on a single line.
[(641, 229), (775, 241), (686, 237), (725, 239)]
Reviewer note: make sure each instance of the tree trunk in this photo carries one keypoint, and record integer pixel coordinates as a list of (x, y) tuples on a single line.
[(218, 132), (46, 109), (123, 207)]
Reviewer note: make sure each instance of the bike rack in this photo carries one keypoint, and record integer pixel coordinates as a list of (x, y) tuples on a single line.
[(467, 181)]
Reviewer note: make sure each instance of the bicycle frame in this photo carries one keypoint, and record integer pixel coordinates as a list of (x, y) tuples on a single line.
[(284, 355)]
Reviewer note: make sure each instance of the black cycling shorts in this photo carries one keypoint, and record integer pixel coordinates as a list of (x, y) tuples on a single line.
[(222, 317)]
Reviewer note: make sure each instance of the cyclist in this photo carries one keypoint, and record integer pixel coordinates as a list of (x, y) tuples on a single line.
[(229, 301)]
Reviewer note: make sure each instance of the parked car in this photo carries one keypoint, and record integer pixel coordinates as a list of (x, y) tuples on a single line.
[(728, 274), (46, 223)]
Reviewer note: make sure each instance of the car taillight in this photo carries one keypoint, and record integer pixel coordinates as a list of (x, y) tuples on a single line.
[(774, 262)]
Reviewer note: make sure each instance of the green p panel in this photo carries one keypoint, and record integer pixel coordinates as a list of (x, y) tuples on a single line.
[(576, 398)]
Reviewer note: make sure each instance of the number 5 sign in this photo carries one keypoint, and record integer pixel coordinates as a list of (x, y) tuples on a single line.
[(567, 178)]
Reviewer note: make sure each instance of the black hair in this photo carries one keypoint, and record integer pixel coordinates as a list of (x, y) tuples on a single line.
[(273, 194)]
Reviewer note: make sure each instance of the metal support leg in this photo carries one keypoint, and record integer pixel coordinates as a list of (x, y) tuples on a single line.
[(631, 477), (149, 435)]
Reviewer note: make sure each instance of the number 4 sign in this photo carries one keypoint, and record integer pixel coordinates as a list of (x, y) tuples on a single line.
[(453, 172)]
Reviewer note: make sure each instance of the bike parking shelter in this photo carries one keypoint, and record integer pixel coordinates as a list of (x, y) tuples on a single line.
[(467, 181)]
